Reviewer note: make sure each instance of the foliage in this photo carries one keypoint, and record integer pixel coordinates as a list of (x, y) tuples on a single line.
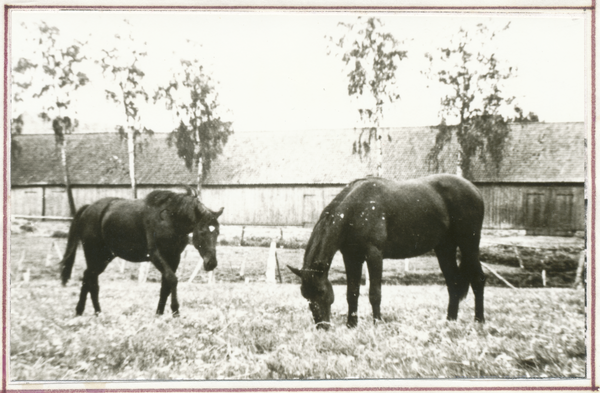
[(201, 133), (519, 118), (49, 74), (52, 70), (16, 129), (122, 61), (474, 109), (371, 55)]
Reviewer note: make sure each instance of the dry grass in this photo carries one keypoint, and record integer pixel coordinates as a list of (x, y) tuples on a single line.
[(260, 331), (237, 330)]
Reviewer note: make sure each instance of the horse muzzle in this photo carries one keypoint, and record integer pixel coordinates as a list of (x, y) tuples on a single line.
[(323, 325), (321, 316), (210, 263)]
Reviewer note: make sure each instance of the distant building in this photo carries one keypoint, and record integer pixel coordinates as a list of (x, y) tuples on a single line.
[(276, 178)]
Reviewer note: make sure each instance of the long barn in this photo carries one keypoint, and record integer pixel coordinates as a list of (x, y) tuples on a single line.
[(286, 179)]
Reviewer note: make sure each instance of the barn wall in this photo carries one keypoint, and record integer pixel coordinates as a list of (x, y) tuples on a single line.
[(541, 209), (293, 205)]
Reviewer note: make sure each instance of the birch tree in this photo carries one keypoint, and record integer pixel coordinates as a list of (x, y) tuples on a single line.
[(51, 73), (475, 108), (371, 56), (201, 134), (122, 64)]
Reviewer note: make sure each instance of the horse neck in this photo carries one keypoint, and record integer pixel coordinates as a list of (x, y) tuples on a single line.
[(322, 246), (186, 220)]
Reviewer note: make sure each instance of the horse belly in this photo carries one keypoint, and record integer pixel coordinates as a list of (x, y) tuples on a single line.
[(412, 238), (125, 238)]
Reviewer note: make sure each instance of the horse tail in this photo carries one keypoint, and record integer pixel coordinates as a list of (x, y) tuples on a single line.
[(73, 241), (464, 279)]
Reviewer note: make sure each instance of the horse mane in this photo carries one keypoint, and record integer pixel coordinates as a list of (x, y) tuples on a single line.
[(317, 236), (182, 205), (335, 202)]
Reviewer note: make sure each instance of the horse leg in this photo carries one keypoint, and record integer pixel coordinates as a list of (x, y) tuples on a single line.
[(470, 262), (353, 260), (85, 288), (375, 266), (168, 286), (446, 254), (94, 287), (174, 300), (97, 259), (165, 290)]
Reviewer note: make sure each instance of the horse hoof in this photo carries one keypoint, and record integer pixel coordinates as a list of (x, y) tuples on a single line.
[(97, 313), (352, 321), (323, 325), (176, 314), (479, 320)]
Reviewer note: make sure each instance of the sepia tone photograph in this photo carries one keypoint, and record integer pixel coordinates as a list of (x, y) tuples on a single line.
[(320, 198)]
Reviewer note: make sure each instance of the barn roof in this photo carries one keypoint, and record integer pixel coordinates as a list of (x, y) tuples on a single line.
[(537, 152)]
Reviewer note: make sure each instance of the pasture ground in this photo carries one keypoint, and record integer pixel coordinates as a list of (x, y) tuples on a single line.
[(247, 329), (264, 331)]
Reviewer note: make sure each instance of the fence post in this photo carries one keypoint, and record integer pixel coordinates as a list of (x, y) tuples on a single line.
[(20, 261), (579, 273), (521, 264), (544, 277), (27, 275), (271, 263), (243, 268), (143, 272), (58, 253), (196, 270)]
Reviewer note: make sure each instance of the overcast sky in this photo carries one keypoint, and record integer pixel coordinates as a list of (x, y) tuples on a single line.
[(274, 73)]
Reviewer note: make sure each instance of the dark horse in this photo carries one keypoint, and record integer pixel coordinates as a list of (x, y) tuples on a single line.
[(372, 219), (155, 229)]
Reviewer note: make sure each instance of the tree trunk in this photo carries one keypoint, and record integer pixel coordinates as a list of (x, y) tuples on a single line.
[(379, 155), (459, 163), (63, 153), (199, 176), (131, 154)]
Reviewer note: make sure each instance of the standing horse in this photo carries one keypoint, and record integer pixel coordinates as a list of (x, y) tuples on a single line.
[(372, 219), (155, 229)]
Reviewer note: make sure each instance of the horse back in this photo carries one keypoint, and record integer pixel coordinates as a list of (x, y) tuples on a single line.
[(462, 199), (409, 218)]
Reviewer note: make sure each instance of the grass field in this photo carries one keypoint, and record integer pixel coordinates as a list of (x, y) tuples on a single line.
[(238, 330), (264, 331)]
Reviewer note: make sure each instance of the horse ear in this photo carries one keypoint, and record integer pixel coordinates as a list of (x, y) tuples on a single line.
[(191, 191), (297, 272), (217, 214)]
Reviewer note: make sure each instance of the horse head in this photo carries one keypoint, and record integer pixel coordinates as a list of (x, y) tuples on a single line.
[(205, 233), (317, 289)]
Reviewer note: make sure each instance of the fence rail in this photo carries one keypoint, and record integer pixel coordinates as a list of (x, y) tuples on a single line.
[(50, 218)]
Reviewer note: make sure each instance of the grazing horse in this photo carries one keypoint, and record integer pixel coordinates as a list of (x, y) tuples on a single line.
[(155, 229), (373, 218)]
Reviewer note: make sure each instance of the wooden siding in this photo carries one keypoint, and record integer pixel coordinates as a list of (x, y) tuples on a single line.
[(294, 206), (541, 209)]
